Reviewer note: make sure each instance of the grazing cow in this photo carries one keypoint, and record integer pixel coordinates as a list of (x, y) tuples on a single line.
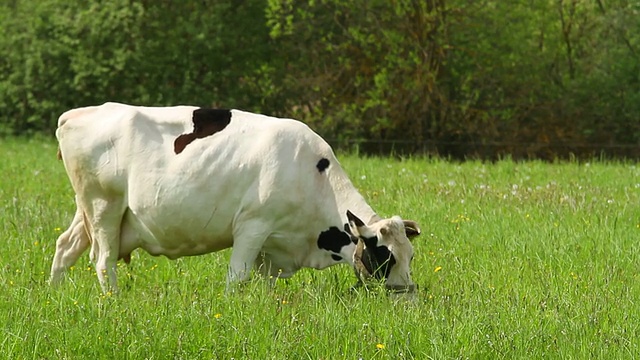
[(182, 181)]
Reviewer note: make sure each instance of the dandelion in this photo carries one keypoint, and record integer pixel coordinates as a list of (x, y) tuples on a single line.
[(57, 229), (217, 316), (36, 243), (379, 346), (284, 302), (438, 268)]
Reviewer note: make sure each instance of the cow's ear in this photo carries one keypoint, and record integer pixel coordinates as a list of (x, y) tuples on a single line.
[(354, 219), (356, 225), (358, 228), (411, 228)]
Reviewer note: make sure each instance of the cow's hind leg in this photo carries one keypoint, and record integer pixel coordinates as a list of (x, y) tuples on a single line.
[(105, 218), (69, 246)]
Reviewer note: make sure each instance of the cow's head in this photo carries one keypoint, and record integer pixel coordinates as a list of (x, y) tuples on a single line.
[(383, 250)]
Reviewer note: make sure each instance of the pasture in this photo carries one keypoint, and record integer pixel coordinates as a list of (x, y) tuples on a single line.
[(516, 260)]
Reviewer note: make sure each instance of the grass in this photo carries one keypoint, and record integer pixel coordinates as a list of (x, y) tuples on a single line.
[(517, 260)]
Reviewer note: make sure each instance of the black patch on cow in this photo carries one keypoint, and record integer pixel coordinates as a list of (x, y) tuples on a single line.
[(378, 260), (347, 229), (336, 257), (206, 122), (322, 164), (333, 240), (371, 242)]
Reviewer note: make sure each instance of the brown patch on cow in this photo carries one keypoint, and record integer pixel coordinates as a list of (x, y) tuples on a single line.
[(182, 141), (206, 122)]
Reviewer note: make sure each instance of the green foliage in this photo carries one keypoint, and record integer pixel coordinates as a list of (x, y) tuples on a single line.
[(461, 78), (516, 261), (59, 55)]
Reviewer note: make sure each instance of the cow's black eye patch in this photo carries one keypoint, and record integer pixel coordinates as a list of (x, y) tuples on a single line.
[(322, 164), (336, 257), (386, 260), (371, 242), (378, 260)]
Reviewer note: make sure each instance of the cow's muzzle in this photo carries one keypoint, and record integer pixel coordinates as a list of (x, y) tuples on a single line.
[(364, 275), (402, 289)]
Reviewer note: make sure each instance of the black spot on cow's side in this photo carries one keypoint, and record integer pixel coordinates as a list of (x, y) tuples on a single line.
[(333, 240), (322, 164), (336, 257), (206, 122)]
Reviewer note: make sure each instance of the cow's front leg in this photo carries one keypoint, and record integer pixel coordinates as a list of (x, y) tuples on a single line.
[(247, 244)]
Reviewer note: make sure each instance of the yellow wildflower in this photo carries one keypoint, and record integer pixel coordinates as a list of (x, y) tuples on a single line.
[(379, 346), (217, 316), (438, 268)]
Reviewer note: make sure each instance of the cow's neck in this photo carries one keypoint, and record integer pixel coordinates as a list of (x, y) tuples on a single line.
[(349, 198)]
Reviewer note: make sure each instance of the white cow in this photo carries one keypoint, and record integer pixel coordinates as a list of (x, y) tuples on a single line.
[(182, 181)]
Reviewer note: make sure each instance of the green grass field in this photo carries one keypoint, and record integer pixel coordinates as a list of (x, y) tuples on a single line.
[(516, 261)]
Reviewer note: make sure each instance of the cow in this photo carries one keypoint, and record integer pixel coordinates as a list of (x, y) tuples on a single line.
[(185, 181)]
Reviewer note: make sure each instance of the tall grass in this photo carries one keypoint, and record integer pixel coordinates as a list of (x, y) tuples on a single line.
[(516, 260)]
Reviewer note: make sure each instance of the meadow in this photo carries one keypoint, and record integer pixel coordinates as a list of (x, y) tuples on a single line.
[(517, 260)]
